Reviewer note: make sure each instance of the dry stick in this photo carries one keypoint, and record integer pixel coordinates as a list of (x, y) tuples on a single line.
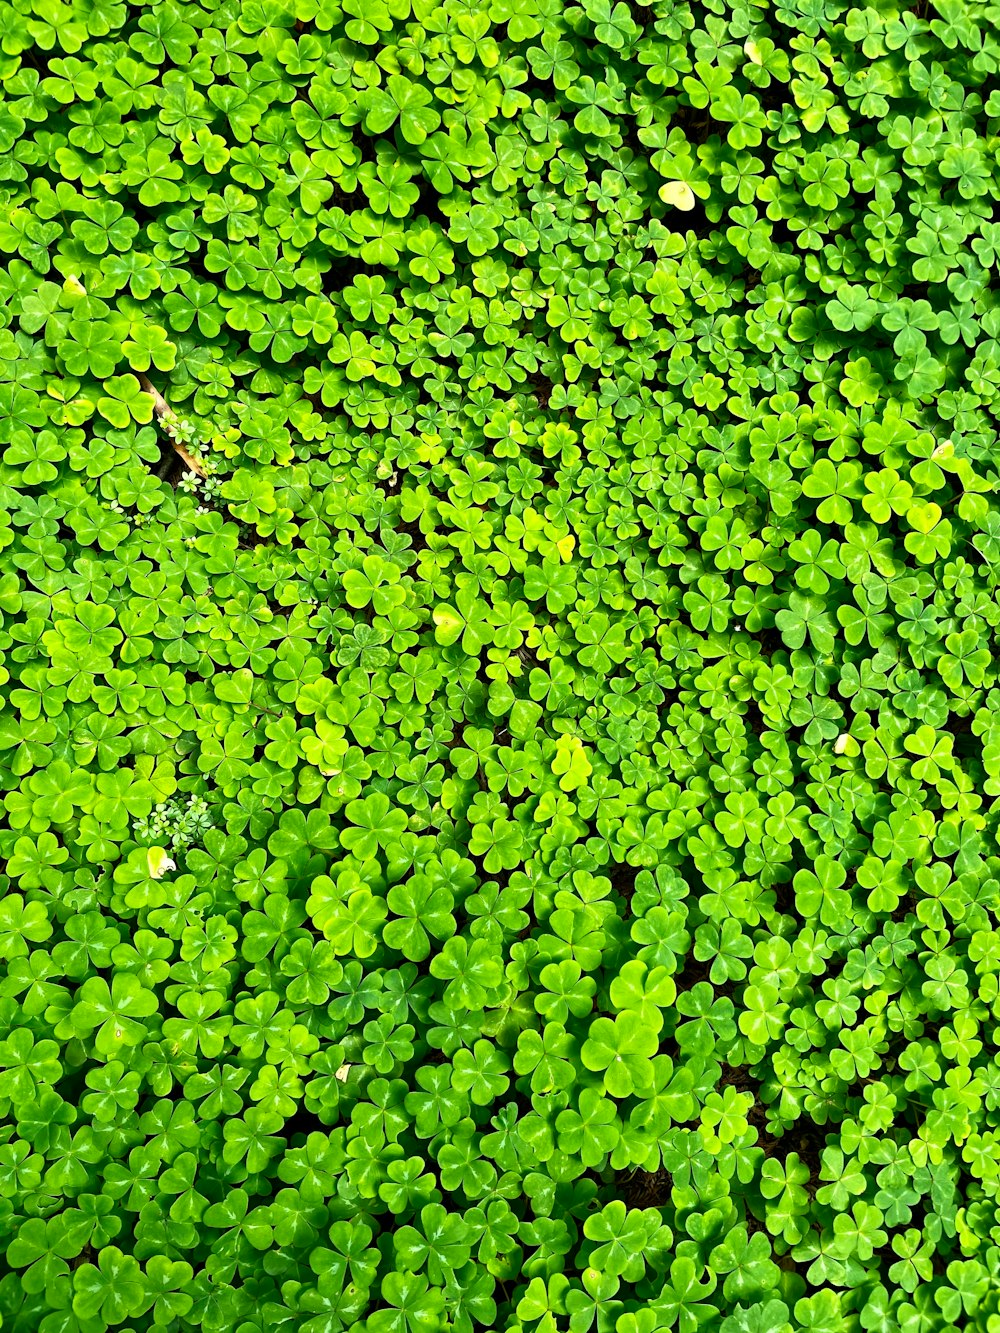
[(167, 418)]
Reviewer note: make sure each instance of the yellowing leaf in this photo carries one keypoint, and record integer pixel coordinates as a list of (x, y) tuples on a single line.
[(678, 194), (924, 517), (847, 745), (571, 764), (159, 862), (448, 625)]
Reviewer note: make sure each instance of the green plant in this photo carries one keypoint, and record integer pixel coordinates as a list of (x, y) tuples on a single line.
[(499, 732)]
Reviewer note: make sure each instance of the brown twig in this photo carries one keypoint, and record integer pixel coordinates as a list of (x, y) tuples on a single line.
[(167, 418)]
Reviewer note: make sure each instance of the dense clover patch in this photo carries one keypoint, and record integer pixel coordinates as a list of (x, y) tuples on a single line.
[(499, 719)]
